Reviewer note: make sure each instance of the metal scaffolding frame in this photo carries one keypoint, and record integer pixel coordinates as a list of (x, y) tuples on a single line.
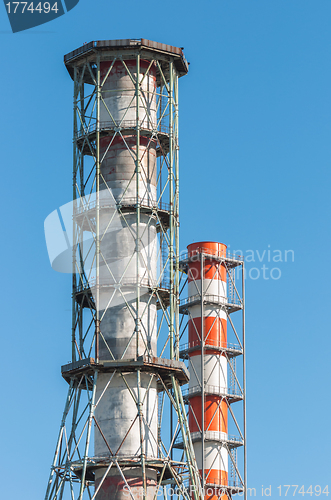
[(236, 393), (74, 464)]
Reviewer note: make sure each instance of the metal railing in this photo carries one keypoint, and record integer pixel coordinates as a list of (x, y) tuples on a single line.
[(114, 204), (212, 389), (217, 344), (217, 483), (212, 436), (215, 299), (145, 124), (127, 281), (209, 253)]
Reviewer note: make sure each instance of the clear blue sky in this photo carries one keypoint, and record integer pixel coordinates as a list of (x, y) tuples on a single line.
[(255, 129)]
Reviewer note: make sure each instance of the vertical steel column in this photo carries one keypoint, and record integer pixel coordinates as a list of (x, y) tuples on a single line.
[(176, 213), (74, 181), (81, 195), (171, 232), (141, 430), (137, 200), (97, 236), (244, 378), (202, 276), (88, 436), (171, 196)]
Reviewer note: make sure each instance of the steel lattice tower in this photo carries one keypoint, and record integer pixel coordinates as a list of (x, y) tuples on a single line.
[(125, 298)]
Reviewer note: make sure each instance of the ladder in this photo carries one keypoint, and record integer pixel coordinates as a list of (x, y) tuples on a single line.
[(231, 290)]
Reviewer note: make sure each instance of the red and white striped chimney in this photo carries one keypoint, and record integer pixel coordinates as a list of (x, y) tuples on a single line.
[(208, 365)]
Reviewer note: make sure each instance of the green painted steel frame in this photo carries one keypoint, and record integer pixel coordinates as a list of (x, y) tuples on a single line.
[(70, 465)]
